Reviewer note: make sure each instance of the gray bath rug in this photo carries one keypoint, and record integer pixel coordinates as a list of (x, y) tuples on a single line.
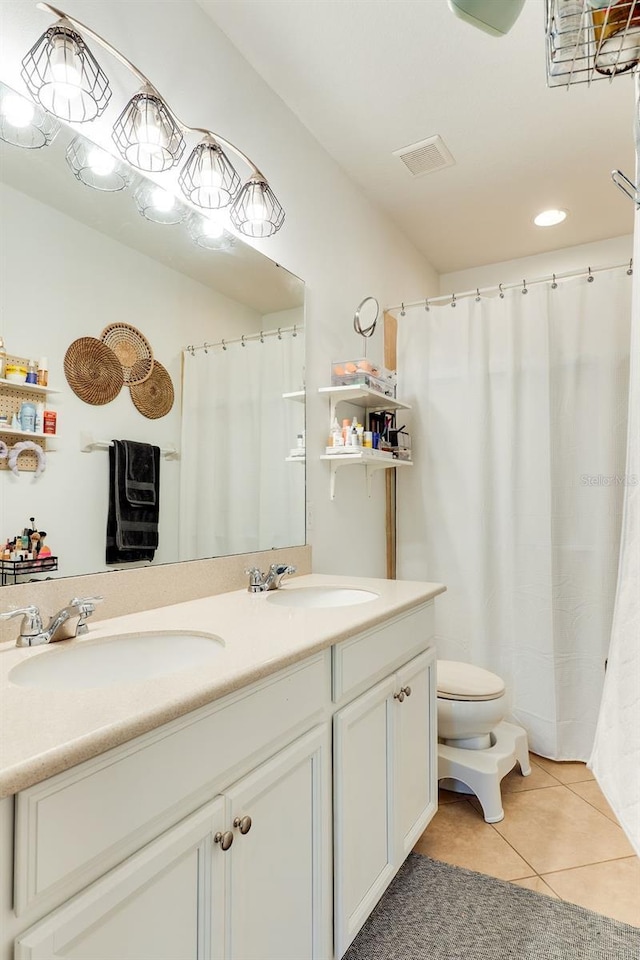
[(433, 911)]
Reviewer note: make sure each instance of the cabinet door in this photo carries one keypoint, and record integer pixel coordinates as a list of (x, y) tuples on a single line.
[(363, 808), (415, 731), (164, 903), (279, 868)]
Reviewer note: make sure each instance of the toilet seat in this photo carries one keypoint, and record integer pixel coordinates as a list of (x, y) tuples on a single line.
[(463, 681)]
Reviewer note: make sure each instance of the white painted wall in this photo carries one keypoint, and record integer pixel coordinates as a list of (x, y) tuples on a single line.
[(85, 281), (603, 253), (333, 238)]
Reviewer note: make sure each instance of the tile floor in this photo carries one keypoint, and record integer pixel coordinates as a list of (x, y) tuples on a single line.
[(558, 837)]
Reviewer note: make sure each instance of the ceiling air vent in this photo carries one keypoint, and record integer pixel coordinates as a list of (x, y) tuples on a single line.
[(425, 157)]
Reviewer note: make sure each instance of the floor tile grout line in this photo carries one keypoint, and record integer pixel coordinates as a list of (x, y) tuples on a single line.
[(531, 867), (581, 866)]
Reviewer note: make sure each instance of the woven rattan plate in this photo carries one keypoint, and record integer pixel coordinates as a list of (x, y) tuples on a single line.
[(154, 397), (132, 349), (93, 371)]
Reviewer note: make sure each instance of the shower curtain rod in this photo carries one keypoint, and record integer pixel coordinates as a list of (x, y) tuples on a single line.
[(294, 330), (452, 298)]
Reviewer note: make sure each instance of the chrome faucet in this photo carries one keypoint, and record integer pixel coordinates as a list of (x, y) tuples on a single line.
[(32, 630), (259, 581)]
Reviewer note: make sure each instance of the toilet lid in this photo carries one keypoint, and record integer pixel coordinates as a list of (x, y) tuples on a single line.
[(463, 681)]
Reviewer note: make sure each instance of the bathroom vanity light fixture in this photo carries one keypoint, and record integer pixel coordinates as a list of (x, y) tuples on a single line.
[(550, 218), (23, 123), (95, 167), (64, 76)]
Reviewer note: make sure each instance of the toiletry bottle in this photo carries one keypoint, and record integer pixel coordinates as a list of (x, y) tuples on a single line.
[(39, 418), (346, 426), (360, 430), (3, 358), (353, 432), (43, 372), (337, 440), (32, 372)]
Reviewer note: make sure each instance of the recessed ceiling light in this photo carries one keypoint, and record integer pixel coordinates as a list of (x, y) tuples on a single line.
[(549, 218)]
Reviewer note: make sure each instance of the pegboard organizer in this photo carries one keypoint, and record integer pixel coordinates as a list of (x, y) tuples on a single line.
[(12, 395)]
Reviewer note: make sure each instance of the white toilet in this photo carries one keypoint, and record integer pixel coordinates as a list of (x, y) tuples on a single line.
[(476, 746)]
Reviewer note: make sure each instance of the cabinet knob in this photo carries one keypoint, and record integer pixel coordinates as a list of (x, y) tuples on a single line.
[(243, 824), (407, 690), (399, 696), (224, 839)]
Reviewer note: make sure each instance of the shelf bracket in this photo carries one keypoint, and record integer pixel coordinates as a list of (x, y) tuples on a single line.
[(332, 481)]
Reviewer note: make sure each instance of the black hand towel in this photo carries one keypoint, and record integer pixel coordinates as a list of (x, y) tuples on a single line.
[(132, 522)]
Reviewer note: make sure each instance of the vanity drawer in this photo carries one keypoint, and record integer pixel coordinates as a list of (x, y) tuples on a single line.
[(75, 826), (364, 660)]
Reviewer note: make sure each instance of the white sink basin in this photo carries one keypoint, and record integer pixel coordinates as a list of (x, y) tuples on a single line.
[(110, 660), (320, 596)]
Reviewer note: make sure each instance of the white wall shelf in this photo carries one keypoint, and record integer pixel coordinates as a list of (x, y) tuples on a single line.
[(370, 400), (372, 463), (298, 395), (360, 397), (30, 387)]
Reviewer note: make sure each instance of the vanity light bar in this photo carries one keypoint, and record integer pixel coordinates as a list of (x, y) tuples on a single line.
[(147, 133)]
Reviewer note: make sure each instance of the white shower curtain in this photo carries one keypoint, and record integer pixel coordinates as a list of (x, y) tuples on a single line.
[(616, 755), (515, 502), (237, 492)]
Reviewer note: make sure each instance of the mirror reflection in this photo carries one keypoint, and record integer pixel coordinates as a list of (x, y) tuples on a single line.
[(225, 327)]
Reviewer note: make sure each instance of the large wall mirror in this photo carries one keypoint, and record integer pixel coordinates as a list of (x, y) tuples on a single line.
[(225, 322)]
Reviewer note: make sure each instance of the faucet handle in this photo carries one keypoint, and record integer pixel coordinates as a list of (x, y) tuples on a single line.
[(86, 606), (31, 623)]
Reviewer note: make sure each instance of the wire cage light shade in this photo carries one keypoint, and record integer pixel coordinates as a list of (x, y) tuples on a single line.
[(256, 212), (209, 233), (95, 167), (146, 134), (24, 123), (158, 205), (62, 74), (208, 178)]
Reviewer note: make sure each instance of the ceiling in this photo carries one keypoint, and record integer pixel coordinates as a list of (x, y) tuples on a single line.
[(368, 77)]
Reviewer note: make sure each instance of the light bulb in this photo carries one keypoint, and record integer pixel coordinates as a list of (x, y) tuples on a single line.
[(162, 200), (65, 73), (17, 111), (101, 162), (256, 210)]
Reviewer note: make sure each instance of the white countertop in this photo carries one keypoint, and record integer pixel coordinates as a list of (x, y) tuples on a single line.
[(43, 732)]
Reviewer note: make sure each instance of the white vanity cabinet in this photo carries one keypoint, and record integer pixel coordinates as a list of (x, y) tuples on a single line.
[(227, 834), (384, 777), (246, 876)]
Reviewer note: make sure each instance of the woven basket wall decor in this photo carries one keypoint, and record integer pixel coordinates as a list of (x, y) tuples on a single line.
[(93, 371), (154, 398), (132, 349)]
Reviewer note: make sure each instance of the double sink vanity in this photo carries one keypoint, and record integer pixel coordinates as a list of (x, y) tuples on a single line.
[(239, 776)]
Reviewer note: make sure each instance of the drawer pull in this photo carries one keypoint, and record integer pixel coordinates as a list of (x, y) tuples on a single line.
[(224, 839), (399, 696), (407, 690), (243, 824)]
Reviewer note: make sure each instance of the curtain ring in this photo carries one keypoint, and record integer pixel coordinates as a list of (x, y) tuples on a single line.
[(224, 346), (191, 349), (242, 343), (477, 294), (295, 331), (501, 291), (261, 336), (205, 345), (524, 287), (453, 300), (590, 277), (630, 268), (554, 285), (279, 334), (426, 305), (402, 311)]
